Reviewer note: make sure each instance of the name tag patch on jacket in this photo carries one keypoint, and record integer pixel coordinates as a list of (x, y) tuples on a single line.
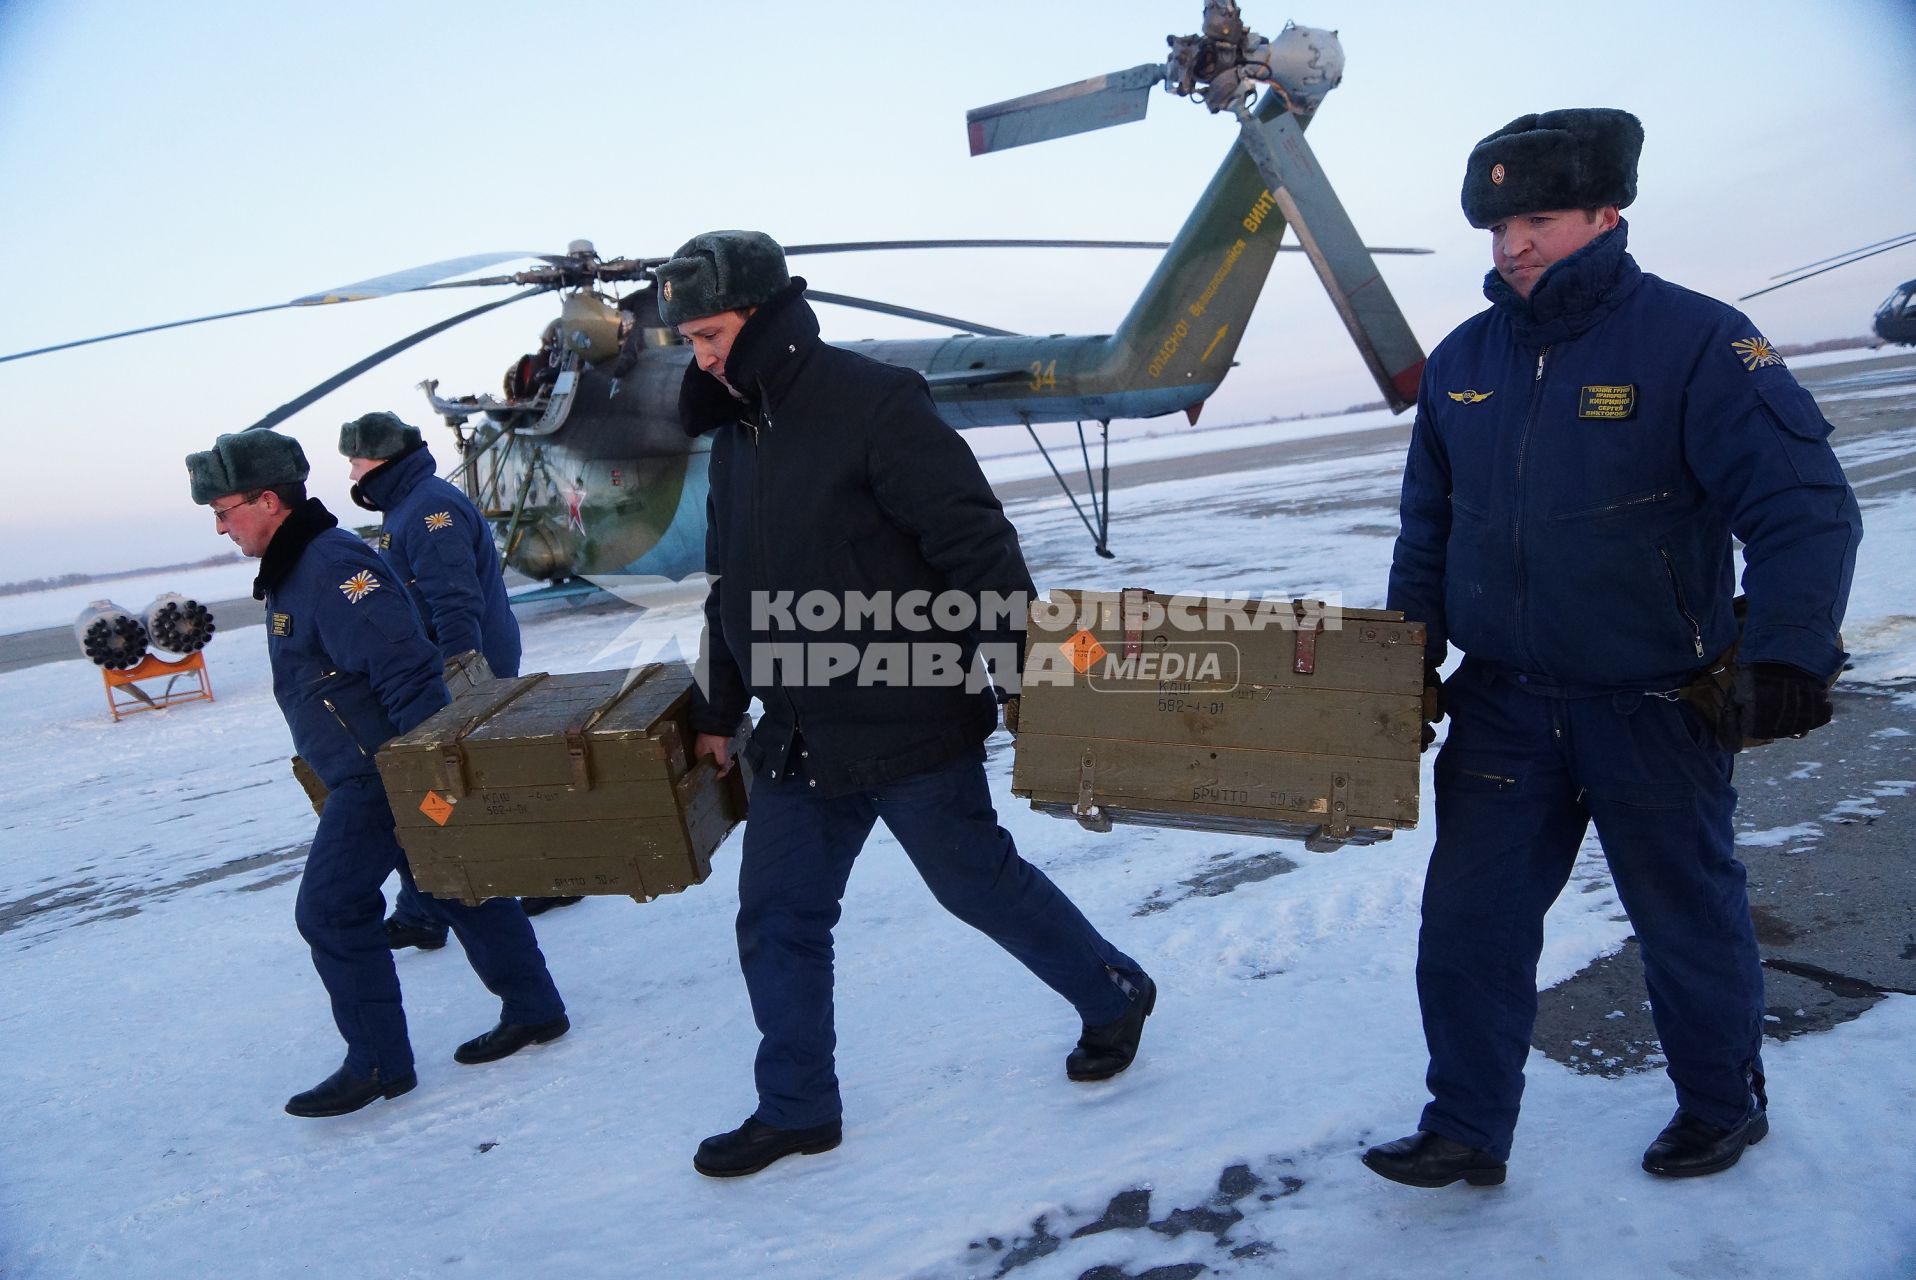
[(385, 542), (281, 624), (1607, 402), (438, 520)]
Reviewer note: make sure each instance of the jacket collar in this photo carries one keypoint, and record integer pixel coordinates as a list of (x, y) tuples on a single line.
[(764, 360), (304, 523), (382, 488), (1573, 294)]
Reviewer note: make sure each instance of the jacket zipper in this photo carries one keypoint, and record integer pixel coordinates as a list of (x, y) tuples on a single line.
[(758, 530), (328, 704), (1619, 506), (340, 720), (1683, 605), (1516, 524)]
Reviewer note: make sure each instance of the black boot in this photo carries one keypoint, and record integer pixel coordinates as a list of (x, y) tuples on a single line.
[(1688, 1148), (754, 1144), (343, 1092), (539, 906), (1104, 1051), (401, 934), (1426, 1159), (508, 1038)]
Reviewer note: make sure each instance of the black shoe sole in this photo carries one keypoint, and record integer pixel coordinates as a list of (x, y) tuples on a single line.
[(548, 1038), (819, 1147), (404, 1085), (1475, 1177), (1759, 1130)]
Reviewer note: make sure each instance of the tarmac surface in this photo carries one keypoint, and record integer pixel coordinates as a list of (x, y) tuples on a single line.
[(1825, 823)]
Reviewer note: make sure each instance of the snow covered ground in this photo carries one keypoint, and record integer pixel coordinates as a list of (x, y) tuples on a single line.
[(157, 1008)]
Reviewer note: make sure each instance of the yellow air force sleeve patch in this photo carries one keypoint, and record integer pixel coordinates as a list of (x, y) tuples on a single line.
[(359, 586), (438, 520), (1756, 352)]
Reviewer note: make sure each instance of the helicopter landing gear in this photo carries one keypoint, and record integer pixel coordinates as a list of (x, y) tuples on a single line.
[(1097, 486)]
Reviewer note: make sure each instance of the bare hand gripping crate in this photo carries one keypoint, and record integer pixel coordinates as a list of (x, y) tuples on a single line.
[(1284, 718), (561, 784)]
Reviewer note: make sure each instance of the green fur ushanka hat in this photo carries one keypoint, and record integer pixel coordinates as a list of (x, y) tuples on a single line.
[(244, 461), (720, 271), (1581, 158), (378, 436)]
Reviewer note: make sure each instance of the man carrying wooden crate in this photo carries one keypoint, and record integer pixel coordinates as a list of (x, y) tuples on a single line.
[(436, 542), (833, 479), (1584, 450), (351, 669)]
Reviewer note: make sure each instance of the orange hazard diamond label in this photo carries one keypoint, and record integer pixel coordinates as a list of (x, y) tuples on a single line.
[(436, 807), (1083, 650)]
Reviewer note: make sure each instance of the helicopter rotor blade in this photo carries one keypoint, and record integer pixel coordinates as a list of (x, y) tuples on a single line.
[(865, 246), (1834, 256), (1098, 103), (379, 357), (151, 328), (1898, 244), (909, 313), (410, 280)]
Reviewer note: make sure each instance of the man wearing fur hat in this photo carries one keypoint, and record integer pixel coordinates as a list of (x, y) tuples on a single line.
[(805, 430), (351, 669), (436, 542), (1583, 453)]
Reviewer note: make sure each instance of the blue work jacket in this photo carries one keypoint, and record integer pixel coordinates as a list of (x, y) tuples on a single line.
[(441, 548), (1579, 464), (351, 665)]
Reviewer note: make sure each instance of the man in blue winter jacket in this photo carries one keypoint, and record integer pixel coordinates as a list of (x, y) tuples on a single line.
[(1583, 454), (436, 542), (351, 669)]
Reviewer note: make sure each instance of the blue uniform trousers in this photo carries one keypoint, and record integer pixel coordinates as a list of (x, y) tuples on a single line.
[(799, 850), (1525, 769), (339, 912), (409, 907)]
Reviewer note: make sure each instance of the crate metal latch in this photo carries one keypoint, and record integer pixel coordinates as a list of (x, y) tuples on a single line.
[(1086, 811)]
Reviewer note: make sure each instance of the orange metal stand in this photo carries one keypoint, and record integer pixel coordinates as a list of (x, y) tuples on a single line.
[(124, 695)]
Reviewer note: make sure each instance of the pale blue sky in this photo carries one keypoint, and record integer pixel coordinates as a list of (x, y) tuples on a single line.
[(165, 161)]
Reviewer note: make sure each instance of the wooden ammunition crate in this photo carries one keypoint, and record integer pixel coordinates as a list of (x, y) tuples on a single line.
[(1307, 726), (547, 785)]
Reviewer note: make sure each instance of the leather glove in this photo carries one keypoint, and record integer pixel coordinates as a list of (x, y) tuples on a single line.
[(1433, 706), (1785, 702), (1010, 706)]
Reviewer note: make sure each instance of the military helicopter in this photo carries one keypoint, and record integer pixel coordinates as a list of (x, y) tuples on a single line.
[(1895, 320), (582, 464)]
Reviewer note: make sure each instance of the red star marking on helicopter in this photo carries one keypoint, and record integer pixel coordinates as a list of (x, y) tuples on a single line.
[(574, 515)]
